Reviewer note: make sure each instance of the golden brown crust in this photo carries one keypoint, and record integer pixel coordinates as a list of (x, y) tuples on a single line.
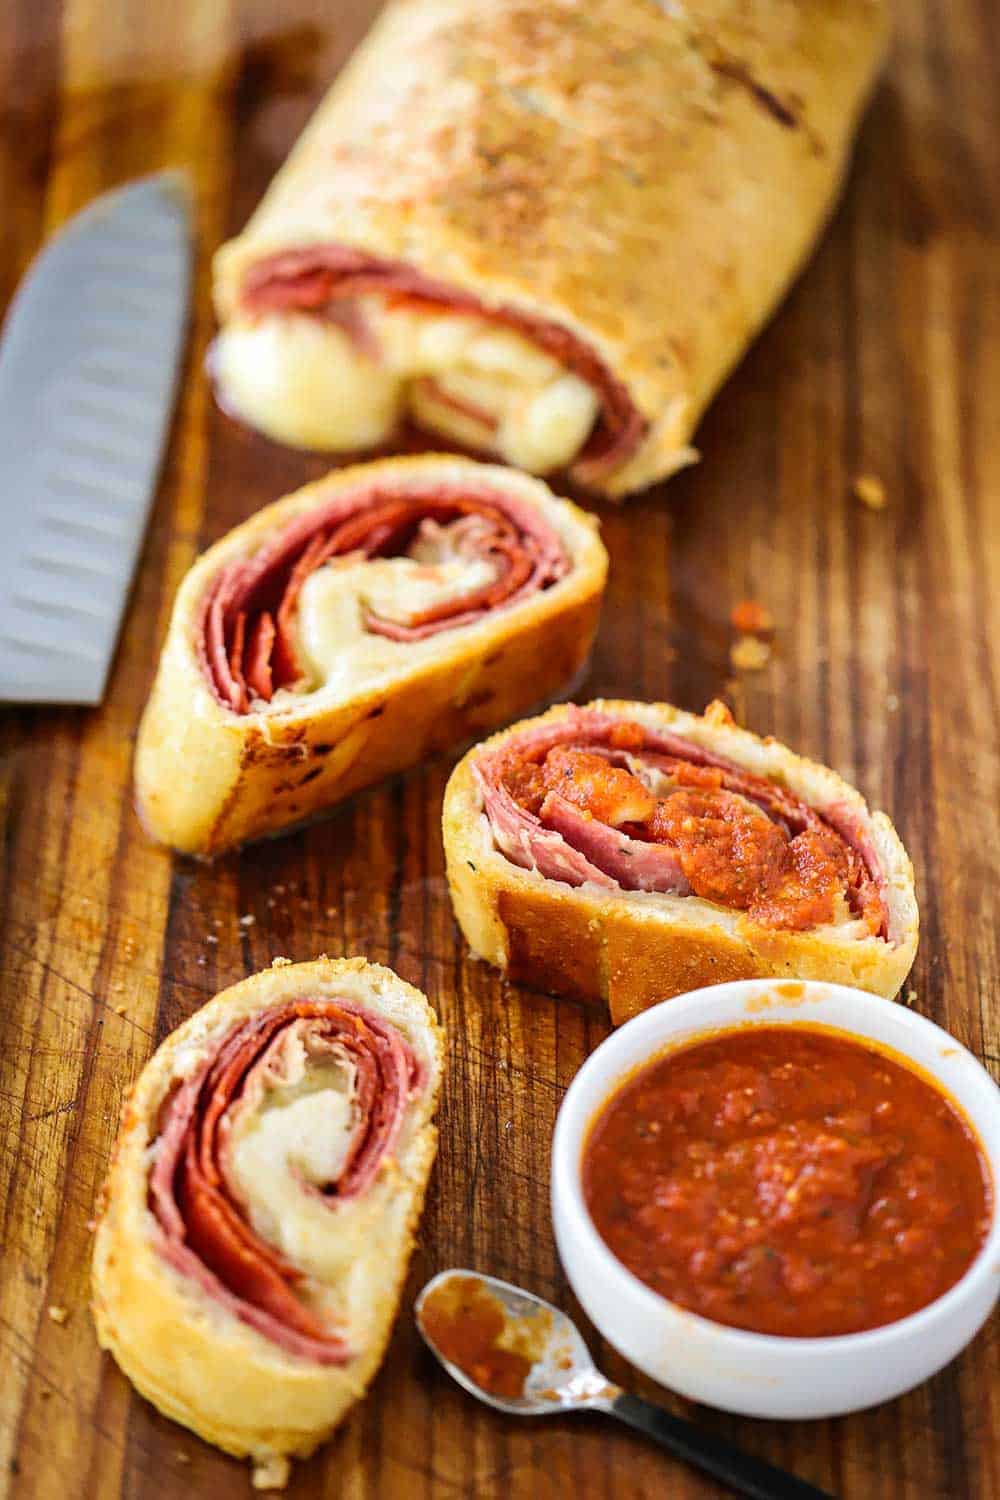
[(688, 154), (195, 1362), (208, 778), (632, 949)]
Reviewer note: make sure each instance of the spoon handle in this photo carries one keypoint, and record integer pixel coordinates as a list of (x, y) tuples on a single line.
[(741, 1471)]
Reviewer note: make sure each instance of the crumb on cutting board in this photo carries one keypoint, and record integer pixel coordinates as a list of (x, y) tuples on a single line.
[(749, 654), (871, 492), (271, 1473), (750, 617)]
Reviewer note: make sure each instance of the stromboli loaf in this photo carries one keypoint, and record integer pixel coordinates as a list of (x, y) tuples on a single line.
[(341, 634), (260, 1210), (547, 228), (632, 851)]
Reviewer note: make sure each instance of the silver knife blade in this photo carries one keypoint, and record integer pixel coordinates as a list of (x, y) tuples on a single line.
[(89, 357)]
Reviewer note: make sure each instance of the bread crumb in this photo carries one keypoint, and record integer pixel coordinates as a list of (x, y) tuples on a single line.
[(280, 963), (58, 1315), (121, 1010), (182, 1458), (210, 937), (748, 654), (871, 492), (331, 911), (892, 702), (271, 1473), (248, 919), (718, 712), (751, 618), (910, 997)]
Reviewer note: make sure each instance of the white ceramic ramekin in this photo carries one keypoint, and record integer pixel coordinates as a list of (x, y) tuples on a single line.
[(760, 1375)]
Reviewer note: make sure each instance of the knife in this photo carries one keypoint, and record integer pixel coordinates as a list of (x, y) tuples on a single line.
[(89, 357)]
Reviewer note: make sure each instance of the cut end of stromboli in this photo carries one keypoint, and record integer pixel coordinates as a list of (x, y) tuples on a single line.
[(224, 1373), (632, 948), (375, 690)]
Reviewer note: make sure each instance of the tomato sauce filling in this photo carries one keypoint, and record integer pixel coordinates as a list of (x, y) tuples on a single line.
[(788, 1180), (649, 820)]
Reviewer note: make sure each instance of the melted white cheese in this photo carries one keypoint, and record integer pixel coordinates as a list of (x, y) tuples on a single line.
[(334, 644), (303, 381), (279, 1153), (296, 1141), (300, 381), (402, 590), (546, 429)]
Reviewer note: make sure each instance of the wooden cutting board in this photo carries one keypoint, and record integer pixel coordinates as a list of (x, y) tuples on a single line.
[(885, 360)]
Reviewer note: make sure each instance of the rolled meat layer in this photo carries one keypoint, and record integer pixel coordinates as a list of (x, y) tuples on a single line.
[(556, 267), (207, 1234), (250, 612), (630, 851), (389, 314), (259, 1214), (342, 634), (600, 798)]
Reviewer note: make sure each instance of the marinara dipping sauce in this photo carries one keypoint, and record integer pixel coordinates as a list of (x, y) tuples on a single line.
[(788, 1180)]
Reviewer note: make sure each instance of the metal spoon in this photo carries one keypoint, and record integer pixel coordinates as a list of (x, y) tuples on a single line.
[(563, 1377)]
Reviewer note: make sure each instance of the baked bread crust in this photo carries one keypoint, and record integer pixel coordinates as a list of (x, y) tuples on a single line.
[(632, 948), (208, 778), (653, 187), (196, 1362)]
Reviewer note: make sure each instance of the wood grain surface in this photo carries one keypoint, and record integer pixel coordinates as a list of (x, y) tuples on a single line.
[(884, 360)]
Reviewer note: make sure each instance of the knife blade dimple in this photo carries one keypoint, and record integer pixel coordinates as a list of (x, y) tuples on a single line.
[(88, 365), (82, 528), (73, 565)]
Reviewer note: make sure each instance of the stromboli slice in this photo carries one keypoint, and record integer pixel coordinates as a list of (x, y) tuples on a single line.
[(340, 635), (260, 1210), (631, 851), (546, 229)]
